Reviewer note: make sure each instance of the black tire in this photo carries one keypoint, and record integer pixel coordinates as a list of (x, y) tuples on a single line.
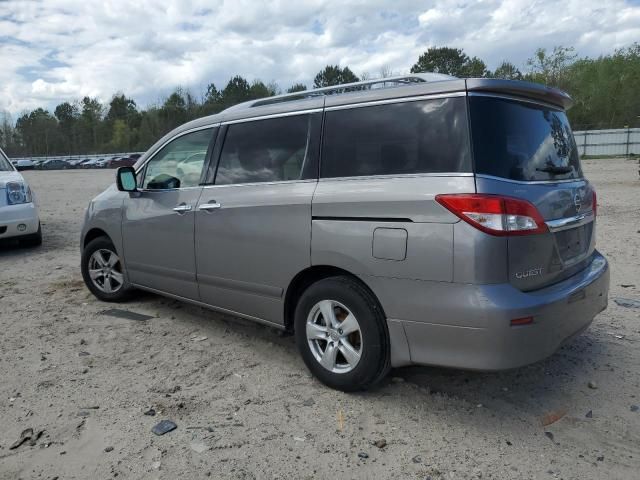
[(33, 240), (374, 362), (120, 294)]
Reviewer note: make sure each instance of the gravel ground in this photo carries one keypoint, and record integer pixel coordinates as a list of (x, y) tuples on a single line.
[(245, 405)]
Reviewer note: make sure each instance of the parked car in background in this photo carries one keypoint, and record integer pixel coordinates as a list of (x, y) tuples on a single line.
[(81, 163), (18, 211), (23, 164), (102, 163), (443, 222), (89, 163), (54, 164), (73, 162), (122, 162)]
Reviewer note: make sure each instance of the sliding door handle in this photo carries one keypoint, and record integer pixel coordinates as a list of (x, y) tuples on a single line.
[(213, 205), (182, 208)]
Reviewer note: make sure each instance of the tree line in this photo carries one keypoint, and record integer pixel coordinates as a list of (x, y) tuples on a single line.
[(605, 91)]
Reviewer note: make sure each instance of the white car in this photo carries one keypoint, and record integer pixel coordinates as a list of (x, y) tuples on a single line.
[(18, 211), (24, 164)]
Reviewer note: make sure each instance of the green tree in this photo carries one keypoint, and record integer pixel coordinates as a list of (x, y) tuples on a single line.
[(90, 123), (507, 71), (8, 135), (297, 87), (237, 90), (174, 110), (450, 61), (67, 115), (551, 68), (212, 101), (333, 75), (605, 89), (475, 68), (150, 128), (39, 132), (121, 140), (260, 90), (213, 95), (122, 108)]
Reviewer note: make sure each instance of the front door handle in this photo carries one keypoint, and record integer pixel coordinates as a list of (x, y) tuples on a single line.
[(212, 205), (182, 208)]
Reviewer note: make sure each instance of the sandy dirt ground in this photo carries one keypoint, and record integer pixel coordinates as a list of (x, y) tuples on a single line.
[(245, 405)]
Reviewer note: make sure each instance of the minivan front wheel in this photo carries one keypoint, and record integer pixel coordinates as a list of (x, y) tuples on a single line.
[(103, 272), (341, 334)]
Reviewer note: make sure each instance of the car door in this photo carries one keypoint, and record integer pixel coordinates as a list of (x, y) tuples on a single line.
[(158, 221), (253, 225)]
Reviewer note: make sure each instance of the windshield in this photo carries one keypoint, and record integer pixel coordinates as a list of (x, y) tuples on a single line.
[(522, 141), (5, 165)]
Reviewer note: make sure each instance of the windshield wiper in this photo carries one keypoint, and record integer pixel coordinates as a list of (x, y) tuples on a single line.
[(555, 170)]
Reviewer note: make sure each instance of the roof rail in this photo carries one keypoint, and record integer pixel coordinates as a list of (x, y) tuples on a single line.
[(387, 82)]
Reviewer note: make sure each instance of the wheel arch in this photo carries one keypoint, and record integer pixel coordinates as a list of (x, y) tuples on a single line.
[(305, 279), (94, 233)]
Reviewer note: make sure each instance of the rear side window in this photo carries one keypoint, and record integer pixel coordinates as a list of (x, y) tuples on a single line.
[(271, 150), (426, 136), (522, 141)]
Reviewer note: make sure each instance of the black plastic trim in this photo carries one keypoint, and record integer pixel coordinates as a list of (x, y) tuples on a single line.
[(363, 219)]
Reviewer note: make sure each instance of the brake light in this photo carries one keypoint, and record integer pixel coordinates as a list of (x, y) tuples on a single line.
[(495, 214), (594, 203)]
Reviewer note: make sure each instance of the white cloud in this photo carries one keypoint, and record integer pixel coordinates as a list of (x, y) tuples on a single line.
[(57, 50)]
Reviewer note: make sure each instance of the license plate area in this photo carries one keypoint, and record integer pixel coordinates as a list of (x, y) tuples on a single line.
[(573, 243)]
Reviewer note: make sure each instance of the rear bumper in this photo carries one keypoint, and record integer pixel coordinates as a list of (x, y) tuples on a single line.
[(469, 326), (18, 220)]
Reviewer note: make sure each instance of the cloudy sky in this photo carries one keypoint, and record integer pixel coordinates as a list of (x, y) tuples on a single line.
[(57, 50)]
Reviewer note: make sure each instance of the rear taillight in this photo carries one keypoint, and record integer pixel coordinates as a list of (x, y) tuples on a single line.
[(495, 214), (518, 322), (594, 203)]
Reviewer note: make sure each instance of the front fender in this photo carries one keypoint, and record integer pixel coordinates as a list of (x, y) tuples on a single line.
[(105, 213)]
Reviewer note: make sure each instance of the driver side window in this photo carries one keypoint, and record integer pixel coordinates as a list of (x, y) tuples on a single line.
[(179, 163)]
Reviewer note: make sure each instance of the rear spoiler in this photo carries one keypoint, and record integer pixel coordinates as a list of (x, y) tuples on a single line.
[(516, 88)]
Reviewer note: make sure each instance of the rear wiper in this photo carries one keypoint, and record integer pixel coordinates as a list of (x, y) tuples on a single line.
[(554, 170)]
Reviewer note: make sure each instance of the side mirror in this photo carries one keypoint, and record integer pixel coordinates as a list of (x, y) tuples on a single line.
[(126, 179)]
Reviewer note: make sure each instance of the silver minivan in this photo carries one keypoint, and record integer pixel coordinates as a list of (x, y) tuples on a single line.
[(411, 220)]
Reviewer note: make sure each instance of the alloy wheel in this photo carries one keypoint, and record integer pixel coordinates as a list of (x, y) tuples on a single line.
[(105, 271), (334, 336)]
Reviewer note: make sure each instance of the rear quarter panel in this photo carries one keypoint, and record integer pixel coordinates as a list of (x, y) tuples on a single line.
[(346, 212)]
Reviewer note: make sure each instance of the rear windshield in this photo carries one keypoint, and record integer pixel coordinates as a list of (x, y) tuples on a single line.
[(522, 141)]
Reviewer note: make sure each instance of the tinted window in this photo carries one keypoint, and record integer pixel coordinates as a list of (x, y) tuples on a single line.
[(522, 141), (264, 151), (412, 137), (179, 163)]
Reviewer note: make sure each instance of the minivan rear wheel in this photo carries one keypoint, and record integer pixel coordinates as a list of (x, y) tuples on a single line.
[(103, 271), (341, 333)]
